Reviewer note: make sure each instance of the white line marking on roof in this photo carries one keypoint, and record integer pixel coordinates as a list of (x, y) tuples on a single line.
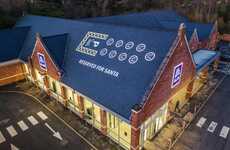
[(212, 127), (32, 120), (22, 125), (224, 132), (201, 122), (2, 138), (11, 131), (42, 115)]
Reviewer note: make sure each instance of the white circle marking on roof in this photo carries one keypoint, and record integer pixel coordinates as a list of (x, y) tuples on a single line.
[(103, 51), (112, 54), (129, 45), (133, 59), (122, 56), (119, 43), (140, 47), (150, 56), (110, 41)]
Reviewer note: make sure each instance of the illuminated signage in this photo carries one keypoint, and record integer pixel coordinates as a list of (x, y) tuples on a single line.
[(177, 73), (42, 61)]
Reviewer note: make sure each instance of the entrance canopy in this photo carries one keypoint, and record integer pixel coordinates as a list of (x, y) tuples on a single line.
[(203, 58)]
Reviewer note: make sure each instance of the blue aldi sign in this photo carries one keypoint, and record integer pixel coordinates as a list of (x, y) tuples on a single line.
[(177, 73), (42, 61)]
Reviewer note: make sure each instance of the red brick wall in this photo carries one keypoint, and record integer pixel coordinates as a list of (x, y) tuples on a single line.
[(52, 70), (213, 40), (203, 44), (103, 121), (226, 37), (11, 73), (163, 91), (193, 43)]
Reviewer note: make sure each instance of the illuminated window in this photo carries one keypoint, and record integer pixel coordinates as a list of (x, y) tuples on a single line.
[(112, 121), (54, 86)]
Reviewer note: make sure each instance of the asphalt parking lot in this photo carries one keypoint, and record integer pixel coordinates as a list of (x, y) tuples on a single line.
[(211, 128), (27, 125)]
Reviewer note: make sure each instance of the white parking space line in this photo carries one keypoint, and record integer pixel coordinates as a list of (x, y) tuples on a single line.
[(42, 115), (22, 125), (32, 120), (201, 122), (2, 138), (212, 127), (224, 132), (11, 131)]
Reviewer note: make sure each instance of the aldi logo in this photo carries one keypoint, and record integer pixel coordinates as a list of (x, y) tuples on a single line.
[(42, 61), (177, 73)]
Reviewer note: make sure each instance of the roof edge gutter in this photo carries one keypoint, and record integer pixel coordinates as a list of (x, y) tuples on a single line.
[(10, 62), (198, 70)]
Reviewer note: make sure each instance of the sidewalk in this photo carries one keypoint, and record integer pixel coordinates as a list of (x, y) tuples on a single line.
[(95, 137), (170, 133)]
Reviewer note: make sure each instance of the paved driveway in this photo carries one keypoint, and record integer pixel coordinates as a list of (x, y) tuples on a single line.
[(27, 125), (210, 129)]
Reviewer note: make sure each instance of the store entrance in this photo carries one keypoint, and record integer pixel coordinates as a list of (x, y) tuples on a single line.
[(152, 125), (152, 128), (40, 79)]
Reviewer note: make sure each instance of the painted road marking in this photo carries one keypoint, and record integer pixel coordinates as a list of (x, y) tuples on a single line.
[(201, 122), (56, 115), (2, 138), (22, 125), (32, 120), (13, 147), (212, 127), (224, 132), (11, 131), (42, 115)]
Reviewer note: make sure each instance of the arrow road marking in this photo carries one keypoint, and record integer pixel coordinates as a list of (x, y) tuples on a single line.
[(13, 147), (55, 134)]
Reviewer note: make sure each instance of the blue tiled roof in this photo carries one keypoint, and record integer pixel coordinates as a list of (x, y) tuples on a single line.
[(147, 20), (56, 46), (110, 79), (12, 41), (160, 19), (203, 58), (203, 30)]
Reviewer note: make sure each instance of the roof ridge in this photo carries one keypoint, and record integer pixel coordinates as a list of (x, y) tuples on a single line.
[(104, 24), (65, 52), (65, 45), (56, 35), (48, 51), (26, 36)]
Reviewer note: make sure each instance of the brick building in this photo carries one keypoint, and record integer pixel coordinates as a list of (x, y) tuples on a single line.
[(122, 74)]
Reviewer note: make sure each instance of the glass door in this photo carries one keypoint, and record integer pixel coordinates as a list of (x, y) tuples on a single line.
[(150, 131), (88, 110)]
